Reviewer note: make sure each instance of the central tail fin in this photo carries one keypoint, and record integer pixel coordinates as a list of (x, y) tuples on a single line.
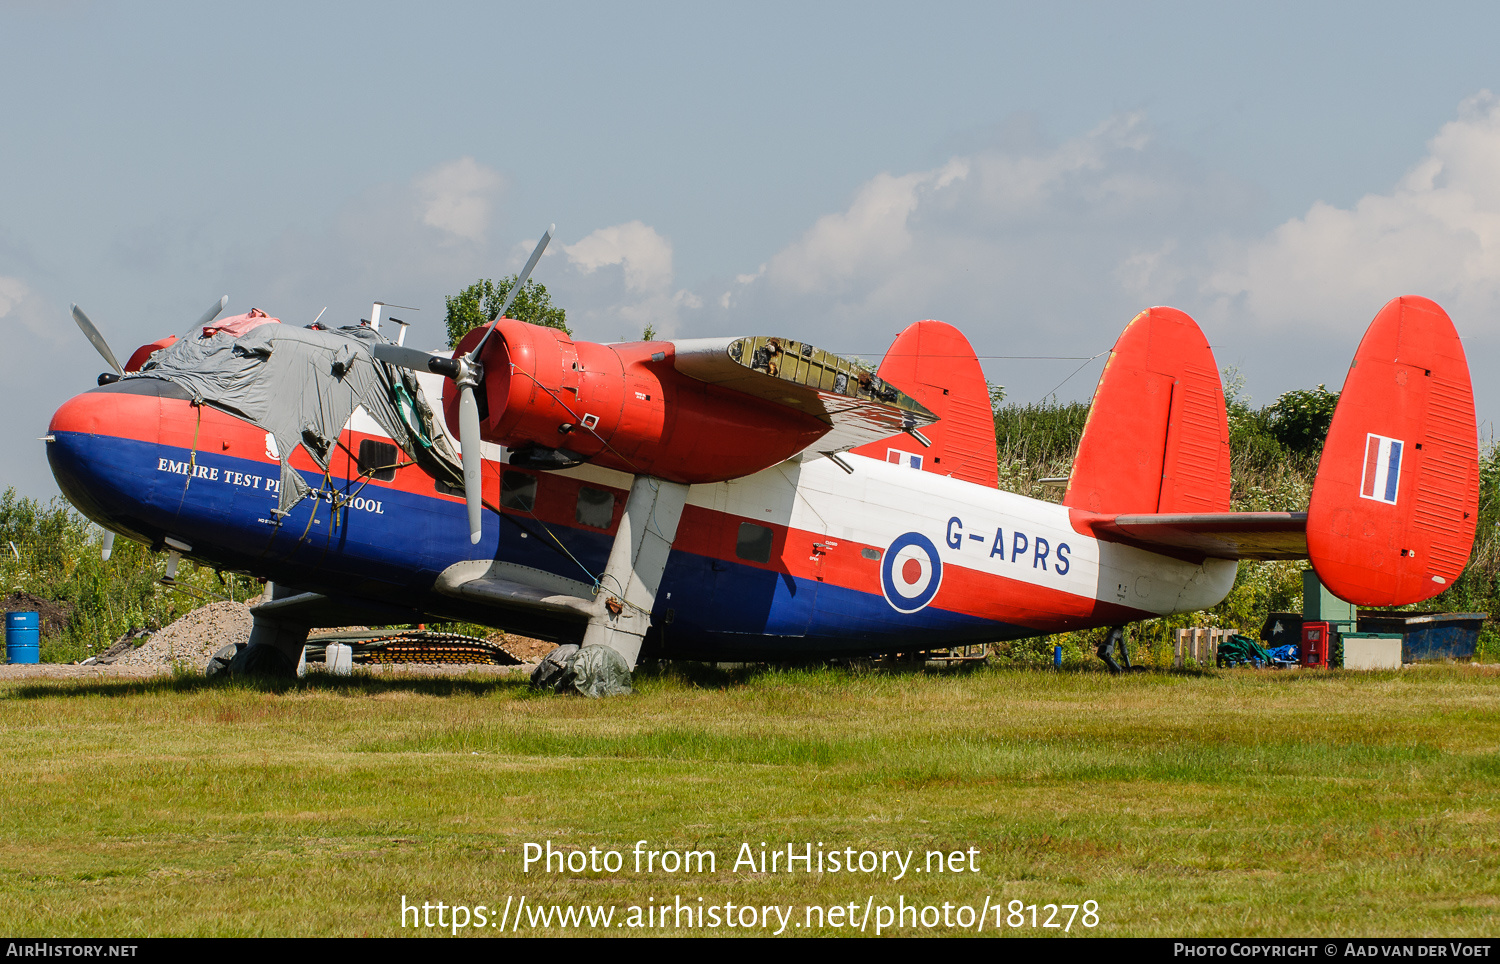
[(1157, 438)]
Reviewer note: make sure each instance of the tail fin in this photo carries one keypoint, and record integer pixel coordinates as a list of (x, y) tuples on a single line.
[(1393, 508), (1157, 438), (932, 362)]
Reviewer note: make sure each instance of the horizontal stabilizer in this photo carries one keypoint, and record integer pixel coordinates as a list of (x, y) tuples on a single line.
[(1216, 535)]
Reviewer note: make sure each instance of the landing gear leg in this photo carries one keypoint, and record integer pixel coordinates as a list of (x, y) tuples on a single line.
[(627, 588), (1114, 642), (275, 650)]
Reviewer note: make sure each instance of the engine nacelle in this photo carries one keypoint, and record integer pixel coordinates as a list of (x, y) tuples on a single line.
[(554, 402), (143, 354)]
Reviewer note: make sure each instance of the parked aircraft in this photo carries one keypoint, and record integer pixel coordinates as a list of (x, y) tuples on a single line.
[(742, 498)]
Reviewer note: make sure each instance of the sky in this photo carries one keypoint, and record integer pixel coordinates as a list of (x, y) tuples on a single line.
[(1034, 174)]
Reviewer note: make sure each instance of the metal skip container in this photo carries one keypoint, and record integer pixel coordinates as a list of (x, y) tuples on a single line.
[(23, 637), (1427, 636)]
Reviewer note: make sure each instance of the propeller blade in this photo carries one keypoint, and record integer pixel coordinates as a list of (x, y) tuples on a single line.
[(525, 274), (417, 361), (468, 439), (96, 339), (213, 312), (109, 544), (515, 289)]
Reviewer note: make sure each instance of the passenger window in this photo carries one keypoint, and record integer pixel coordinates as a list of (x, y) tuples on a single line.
[(754, 543), (596, 507), (378, 460), (518, 491)]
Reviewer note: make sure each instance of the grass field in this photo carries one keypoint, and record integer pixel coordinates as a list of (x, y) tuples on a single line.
[(1235, 803)]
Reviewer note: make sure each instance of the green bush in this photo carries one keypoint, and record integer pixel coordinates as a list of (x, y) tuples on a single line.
[(1299, 419), (49, 551)]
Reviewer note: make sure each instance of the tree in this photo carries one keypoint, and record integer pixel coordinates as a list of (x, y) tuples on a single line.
[(1299, 418), (476, 304)]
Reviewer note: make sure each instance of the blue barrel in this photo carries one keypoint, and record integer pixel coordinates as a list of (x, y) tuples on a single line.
[(1057, 657), (23, 638)]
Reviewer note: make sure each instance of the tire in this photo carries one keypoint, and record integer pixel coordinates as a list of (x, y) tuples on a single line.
[(221, 660)]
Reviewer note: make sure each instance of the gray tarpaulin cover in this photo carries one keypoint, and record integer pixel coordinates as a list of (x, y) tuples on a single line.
[(302, 385), (594, 671)]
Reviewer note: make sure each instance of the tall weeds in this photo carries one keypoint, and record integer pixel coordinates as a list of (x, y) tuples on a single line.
[(49, 551)]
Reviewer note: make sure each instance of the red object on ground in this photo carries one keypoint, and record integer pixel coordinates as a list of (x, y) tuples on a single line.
[(1315, 645)]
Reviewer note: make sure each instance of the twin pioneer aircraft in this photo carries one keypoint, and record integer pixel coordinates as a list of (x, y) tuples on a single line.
[(748, 498)]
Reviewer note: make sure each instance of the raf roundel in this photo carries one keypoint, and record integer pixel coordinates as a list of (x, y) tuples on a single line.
[(911, 572)]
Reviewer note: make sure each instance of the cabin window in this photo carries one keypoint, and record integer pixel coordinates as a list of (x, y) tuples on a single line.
[(869, 553), (378, 460), (754, 543), (518, 491), (596, 507)]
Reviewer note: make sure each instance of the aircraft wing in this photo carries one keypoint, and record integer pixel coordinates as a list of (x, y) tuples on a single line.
[(1217, 535), (318, 610), (510, 586), (858, 405)]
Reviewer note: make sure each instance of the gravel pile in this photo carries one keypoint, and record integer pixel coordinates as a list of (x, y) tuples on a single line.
[(193, 638), (524, 648)]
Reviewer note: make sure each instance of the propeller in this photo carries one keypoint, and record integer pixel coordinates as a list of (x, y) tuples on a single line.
[(97, 340), (466, 373), (212, 312), (91, 331)]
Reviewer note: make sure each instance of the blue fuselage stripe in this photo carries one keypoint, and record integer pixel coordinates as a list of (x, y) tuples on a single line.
[(388, 546)]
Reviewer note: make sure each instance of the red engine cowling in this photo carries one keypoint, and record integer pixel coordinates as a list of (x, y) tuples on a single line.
[(143, 354), (625, 407)]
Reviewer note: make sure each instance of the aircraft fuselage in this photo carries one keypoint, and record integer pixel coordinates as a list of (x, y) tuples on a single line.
[(799, 560)]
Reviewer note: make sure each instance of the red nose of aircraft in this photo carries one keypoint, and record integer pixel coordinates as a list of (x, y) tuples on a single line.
[(102, 446)]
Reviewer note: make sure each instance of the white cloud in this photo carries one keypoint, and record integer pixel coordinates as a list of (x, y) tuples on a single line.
[(648, 299), (456, 197), (873, 233), (1020, 242), (405, 244), (23, 307), (1437, 234), (12, 292), (645, 255)]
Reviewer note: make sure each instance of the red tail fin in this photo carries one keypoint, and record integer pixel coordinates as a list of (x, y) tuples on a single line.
[(1157, 439), (1397, 494), (933, 363)]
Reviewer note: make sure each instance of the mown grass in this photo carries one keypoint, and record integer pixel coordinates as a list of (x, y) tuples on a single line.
[(1236, 803)]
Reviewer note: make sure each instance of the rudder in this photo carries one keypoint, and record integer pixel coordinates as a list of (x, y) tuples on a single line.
[(1157, 436), (1395, 502), (933, 363)]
